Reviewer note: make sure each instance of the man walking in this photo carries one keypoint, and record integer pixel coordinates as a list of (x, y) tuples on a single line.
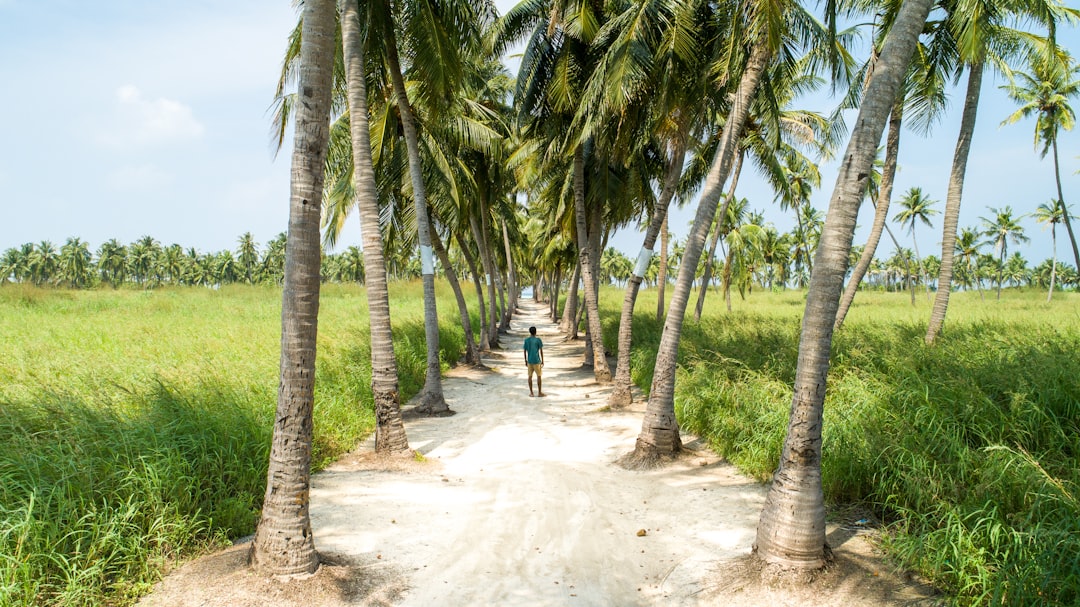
[(534, 360)]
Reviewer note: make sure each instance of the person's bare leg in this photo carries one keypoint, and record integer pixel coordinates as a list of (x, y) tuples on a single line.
[(540, 385), (530, 384)]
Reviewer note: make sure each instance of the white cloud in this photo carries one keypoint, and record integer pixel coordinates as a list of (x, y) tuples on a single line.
[(138, 178), (143, 121)]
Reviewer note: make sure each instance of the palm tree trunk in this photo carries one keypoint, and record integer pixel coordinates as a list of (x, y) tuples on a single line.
[(430, 400), (601, 371), (568, 324), (659, 437), (474, 270), (555, 284), (283, 543), (707, 274), (511, 276), (726, 277), (881, 210), (485, 259), (661, 276), (907, 278), (1053, 263), (389, 430), (620, 394), (791, 531), (472, 352), (1064, 210), (952, 201), (1001, 268)]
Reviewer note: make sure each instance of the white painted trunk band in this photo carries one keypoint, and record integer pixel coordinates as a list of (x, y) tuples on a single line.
[(643, 259), (427, 261)]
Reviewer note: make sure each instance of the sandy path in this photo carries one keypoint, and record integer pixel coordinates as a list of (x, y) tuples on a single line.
[(521, 504), (518, 502)]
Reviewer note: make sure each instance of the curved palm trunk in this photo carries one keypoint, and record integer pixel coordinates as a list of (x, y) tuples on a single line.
[(707, 274), (283, 543), (479, 228), (661, 276), (389, 431), (504, 324), (511, 277), (659, 435), (601, 371), (881, 211), (568, 324), (1064, 210), (952, 202), (472, 352), (430, 400), (555, 284), (791, 531), (620, 394), (474, 270)]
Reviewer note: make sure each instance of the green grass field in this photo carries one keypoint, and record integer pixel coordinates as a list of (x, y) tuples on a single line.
[(969, 450), (136, 424)]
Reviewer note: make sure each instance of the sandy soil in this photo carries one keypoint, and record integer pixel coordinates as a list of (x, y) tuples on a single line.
[(517, 501)]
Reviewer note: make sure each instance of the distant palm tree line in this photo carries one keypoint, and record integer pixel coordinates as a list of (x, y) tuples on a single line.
[(148, 264), (770, 259)]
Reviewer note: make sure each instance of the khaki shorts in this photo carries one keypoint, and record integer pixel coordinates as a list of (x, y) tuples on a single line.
[(535, 369)]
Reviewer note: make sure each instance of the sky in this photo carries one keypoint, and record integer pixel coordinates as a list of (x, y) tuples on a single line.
[(127, 118)]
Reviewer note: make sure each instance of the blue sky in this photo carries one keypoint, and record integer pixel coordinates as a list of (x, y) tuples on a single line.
[(126, 118)]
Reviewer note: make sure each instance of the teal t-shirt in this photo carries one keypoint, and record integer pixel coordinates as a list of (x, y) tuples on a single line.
[(532, 350)]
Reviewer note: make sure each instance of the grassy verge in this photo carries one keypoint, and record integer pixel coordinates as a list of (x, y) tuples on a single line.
[(968, 450), (136, 424)]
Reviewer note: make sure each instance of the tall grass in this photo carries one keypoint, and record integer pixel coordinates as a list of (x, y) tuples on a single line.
[(136, 425), (969, 450)]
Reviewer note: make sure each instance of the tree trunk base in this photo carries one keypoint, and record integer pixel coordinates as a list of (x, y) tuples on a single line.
[(429, 404), (647, 457), (774, 571), (390, 435), (277, 565), (620, 398)]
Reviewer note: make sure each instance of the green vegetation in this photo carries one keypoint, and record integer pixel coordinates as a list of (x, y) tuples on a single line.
[(136, 424), (969, 450)]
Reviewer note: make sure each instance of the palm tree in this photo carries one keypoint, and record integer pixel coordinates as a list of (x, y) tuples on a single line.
[(1050, 214), (978, 29), (283, 542), (74, 263), (272, 268), (431, 399), (791, 531), (659, 436), (247, 255), (923, 98), (389, 430), (802, 176), (916, 207), (999, 231), (1046, 91), (42, 262), (968, 243), (10, 264), (142, 257), (743, 240), (112, 262)]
